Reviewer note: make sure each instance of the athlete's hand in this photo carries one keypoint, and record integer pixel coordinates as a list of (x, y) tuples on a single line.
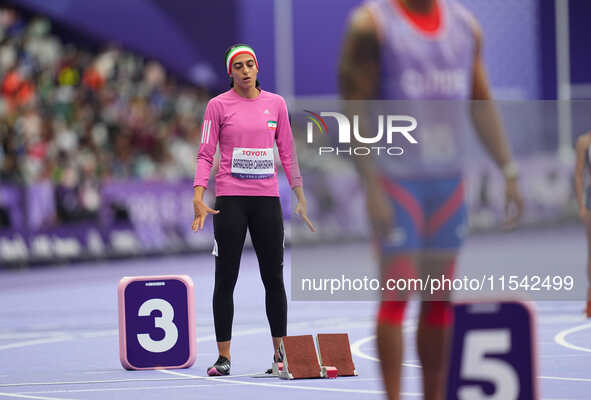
[(379, 210), (302, 212), (513, 203), (201, 212)]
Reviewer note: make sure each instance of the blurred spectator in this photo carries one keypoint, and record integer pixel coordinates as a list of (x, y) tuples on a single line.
[(78, 117)]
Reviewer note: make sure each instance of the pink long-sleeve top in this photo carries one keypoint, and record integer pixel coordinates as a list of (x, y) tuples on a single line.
[(246, 130)]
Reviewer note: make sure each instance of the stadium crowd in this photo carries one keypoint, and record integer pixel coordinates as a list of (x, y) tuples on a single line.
[(76, 117)]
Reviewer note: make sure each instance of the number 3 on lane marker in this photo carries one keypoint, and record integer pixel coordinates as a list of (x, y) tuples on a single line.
[(156, 322), (165, 322)]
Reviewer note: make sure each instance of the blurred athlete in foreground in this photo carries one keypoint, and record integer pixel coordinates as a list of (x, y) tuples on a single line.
[(420, 50)]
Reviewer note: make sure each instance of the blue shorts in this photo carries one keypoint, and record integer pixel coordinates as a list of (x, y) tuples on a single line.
[(430, 214)]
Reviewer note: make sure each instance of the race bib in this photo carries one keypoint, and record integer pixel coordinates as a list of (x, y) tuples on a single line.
[(252, 163)]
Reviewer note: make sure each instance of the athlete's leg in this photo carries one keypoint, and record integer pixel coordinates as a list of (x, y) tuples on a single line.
[(435, 319), (389, 322), (265, 223), (398, 258), (446, 224), (229, 231), (389, 340)]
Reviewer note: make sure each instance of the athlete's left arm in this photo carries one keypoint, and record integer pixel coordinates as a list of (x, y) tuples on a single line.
[(488, 125), (289, 161)]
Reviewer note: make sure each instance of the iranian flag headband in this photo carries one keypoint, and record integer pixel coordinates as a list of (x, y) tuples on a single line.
[(239, 50)]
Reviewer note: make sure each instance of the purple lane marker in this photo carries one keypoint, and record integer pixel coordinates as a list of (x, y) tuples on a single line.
[(492, 355), (156, 322)]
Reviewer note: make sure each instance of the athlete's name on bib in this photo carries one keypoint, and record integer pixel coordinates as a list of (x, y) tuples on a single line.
[(249, 163), (252, 164)]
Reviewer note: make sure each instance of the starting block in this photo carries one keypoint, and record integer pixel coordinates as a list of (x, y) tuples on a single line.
[(493, 352), (156, 322), (334, 349), (299, 358), (301, 361)]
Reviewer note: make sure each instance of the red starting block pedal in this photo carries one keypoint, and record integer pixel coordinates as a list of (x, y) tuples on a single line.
[(334, 349), (299, 358), (329, 372), (276, 368)]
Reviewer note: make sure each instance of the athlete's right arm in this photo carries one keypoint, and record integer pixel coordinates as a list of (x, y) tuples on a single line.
[(582, 145), (210, 130), (359, 71)]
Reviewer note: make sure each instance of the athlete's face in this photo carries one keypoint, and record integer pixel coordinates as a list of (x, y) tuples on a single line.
[(244, 71)]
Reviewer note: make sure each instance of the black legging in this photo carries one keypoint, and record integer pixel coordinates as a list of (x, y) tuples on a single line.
[(262, 215)]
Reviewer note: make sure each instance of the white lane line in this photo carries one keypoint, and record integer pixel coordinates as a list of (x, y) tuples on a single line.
[(86, 382), (63, 383), (316, 323), (96, 334), (560, 337), (559, 378), (579, 355), (35, 342), (199, 340), (245, 332), (30, 335), (25, 396), (98, 372), (556, 319), (339, 323), (287, 386), (59, 336), (356, 349), (121, 389), (71, 335)]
